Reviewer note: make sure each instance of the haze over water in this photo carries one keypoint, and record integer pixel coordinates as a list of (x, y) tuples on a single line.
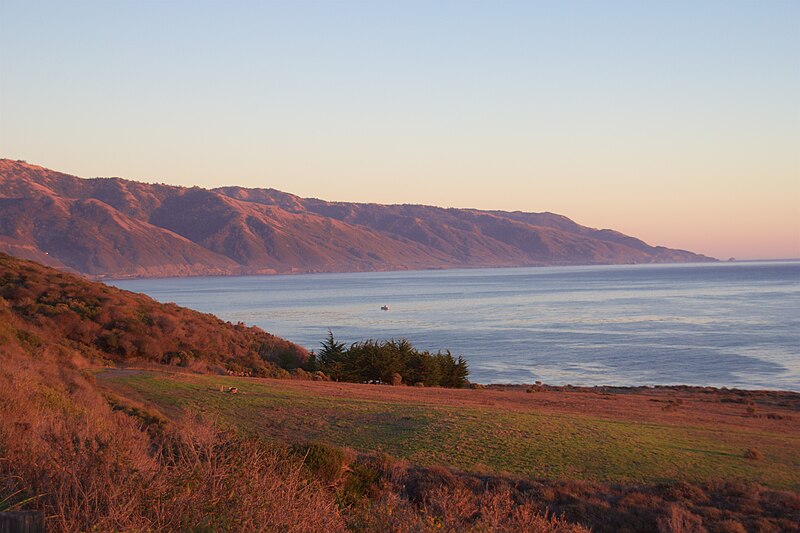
[(730, 324)]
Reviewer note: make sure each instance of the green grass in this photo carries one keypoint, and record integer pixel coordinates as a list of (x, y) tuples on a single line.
[(542, 445)]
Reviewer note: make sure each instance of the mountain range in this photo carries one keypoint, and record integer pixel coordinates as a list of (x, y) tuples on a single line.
[(113, 227)]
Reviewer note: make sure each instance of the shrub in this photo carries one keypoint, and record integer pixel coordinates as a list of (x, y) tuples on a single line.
[(456, 508), (326, 463), (730, 526), (391, 468), (299, 373), (29, 340), (679, 520), (392, 361), (361, 482)]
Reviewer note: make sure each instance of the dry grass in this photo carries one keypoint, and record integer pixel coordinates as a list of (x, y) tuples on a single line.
[(550, 435), (458, 510), (91, 468), (466, 501)]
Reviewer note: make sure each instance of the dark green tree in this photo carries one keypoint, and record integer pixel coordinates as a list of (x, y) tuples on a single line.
[(454, 372), (331, 358), (311, 363), (381, 361)]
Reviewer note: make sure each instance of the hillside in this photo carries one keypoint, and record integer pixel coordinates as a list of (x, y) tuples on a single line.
[(120, 228), (44, 310)]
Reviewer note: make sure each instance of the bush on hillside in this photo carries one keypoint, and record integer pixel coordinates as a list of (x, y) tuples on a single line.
[(383, 361)]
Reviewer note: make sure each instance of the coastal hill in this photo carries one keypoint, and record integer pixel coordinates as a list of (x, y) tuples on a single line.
[(112, 227), (45, 311)]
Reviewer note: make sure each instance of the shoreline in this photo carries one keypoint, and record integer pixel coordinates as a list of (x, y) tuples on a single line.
[(399, 269), (630, 388)]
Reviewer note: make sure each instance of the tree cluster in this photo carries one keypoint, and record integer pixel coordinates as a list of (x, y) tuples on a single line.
[(385, 361)]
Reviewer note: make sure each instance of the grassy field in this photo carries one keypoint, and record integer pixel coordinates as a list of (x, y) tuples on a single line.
[(645, 437)]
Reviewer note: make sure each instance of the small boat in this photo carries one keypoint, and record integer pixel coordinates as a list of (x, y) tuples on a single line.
[(384, 308)]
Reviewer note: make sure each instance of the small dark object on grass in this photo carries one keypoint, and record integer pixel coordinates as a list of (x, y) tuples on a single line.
[(753, 454), (672, 404)]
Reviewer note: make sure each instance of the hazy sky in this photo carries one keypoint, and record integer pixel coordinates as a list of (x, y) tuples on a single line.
[(676, 122)]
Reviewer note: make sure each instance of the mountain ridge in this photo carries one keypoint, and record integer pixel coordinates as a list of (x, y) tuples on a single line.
[(113, 227)]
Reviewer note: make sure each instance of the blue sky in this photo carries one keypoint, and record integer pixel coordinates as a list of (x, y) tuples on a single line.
[(677, 122)]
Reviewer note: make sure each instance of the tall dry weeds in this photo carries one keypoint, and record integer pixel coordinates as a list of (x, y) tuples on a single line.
[(456, 509), (90, 468)]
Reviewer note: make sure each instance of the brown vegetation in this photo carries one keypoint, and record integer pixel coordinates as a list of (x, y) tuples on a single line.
[(380, 492), (62, 311), (754, 454), (670, 507), (91, 467)]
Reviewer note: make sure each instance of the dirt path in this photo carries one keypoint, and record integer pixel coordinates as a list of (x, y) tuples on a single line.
[(119, 372)]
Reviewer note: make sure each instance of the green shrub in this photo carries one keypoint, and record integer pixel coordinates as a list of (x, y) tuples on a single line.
[(392, 361), (326, 463), (362, 481)]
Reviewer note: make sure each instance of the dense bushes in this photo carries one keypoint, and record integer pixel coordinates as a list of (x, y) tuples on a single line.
[(414, 498), (103, 322), (386, 361)]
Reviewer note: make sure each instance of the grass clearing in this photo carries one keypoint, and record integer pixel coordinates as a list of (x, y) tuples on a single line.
[(547, 436)]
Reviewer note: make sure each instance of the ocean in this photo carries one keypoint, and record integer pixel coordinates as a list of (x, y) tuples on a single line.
[(710, 324)]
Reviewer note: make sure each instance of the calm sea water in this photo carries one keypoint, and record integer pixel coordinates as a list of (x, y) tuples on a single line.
[(731, 324)]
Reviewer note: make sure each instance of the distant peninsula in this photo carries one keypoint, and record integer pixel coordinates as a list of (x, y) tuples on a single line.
[(117, 228)]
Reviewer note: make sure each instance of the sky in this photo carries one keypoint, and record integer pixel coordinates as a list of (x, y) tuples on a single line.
[(676, 122)]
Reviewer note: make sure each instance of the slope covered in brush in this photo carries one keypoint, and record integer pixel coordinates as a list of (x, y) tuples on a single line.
[(46, 309)]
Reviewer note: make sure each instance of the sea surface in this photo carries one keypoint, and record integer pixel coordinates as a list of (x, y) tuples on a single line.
[(721, 324)]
